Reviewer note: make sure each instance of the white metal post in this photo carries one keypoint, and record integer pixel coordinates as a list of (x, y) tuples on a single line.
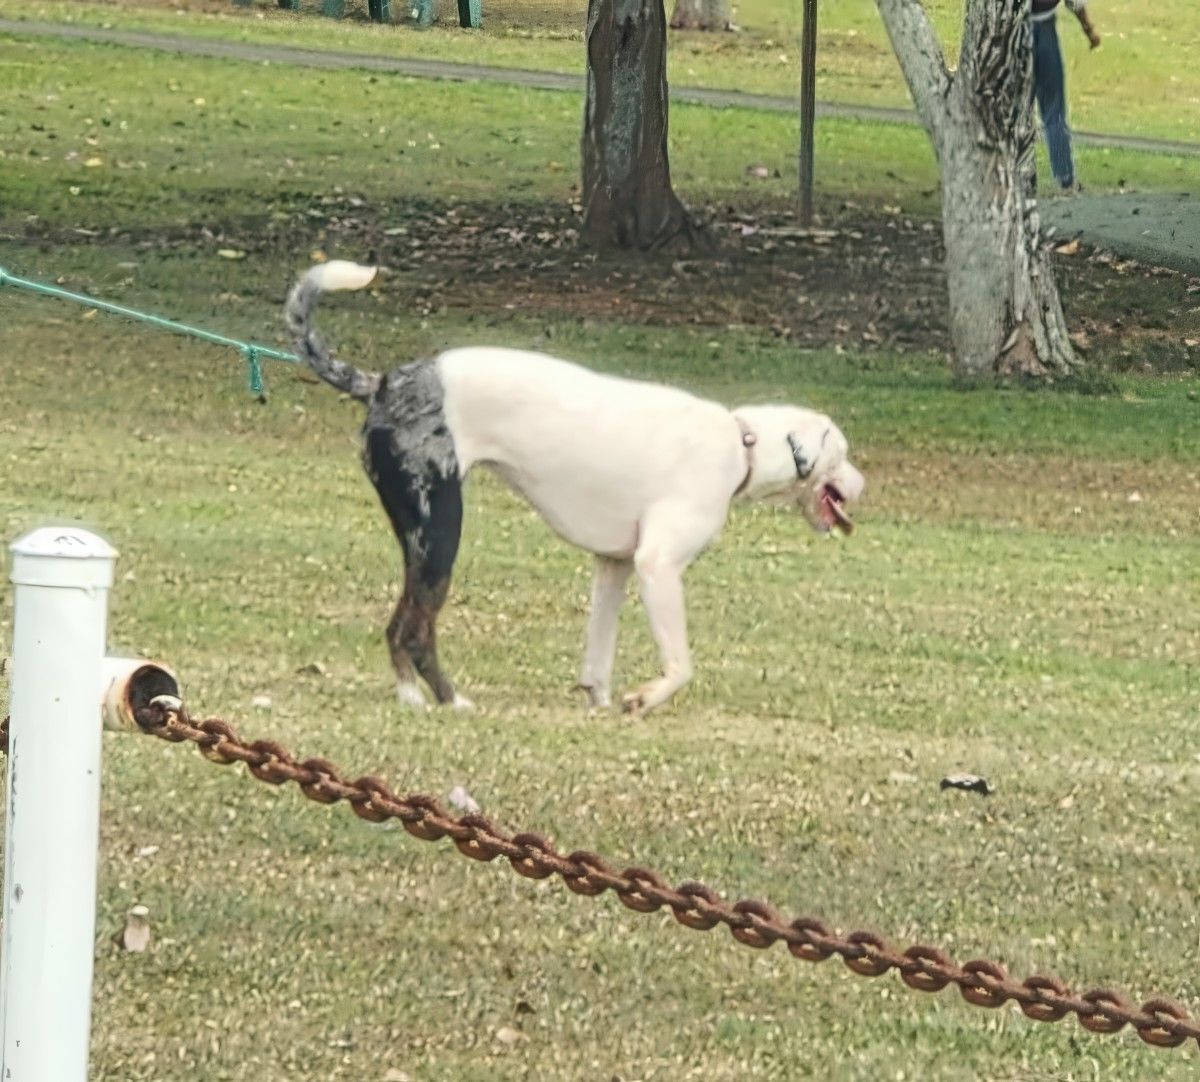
[(62, 577)]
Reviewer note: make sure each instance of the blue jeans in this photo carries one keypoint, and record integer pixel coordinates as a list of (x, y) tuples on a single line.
[(1049, 84)]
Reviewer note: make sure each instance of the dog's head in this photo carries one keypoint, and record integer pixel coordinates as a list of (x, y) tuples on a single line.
[(801, 455)]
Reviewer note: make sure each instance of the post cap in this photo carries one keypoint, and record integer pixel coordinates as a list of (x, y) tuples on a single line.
[(62, 556)]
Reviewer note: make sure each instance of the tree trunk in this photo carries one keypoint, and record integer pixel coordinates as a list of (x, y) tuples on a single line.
[(1006, 317), (701, 15), (1005, 314), (627, 194)]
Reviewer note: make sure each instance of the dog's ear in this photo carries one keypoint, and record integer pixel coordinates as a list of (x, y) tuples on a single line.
[(806, 450)]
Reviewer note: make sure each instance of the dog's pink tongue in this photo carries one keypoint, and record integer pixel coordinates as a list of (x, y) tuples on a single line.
[(837, 515)]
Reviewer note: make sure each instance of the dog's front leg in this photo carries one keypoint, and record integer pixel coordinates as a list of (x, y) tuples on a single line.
[(609, 577), (660, 581)]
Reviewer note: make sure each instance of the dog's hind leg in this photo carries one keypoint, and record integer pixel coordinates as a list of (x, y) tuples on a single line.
[(408, 691), (425, 508), (412, 636), (609, 577)]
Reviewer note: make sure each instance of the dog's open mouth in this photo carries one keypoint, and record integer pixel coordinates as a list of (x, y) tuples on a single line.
[(833, 512)]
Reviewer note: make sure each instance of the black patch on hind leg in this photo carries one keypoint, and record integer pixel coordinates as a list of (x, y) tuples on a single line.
[(398, 486), (424, 506), (408, 453)]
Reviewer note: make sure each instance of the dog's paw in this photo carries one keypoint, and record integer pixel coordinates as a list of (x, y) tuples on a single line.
[(410, 696), (634, 704), (598, 698), (462, 704)]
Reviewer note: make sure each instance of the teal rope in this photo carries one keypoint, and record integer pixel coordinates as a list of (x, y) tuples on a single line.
[(254, 375), (251, 351)]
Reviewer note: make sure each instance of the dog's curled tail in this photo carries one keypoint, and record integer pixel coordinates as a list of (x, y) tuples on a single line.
[(298, 312)]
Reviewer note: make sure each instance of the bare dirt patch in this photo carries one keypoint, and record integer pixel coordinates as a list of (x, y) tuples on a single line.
[(861, 280)]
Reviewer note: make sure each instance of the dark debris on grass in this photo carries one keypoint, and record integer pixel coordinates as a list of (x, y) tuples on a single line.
[(862, 280)]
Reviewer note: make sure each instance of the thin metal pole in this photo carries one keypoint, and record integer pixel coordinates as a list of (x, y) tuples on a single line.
[(808, 108), (62, 577)]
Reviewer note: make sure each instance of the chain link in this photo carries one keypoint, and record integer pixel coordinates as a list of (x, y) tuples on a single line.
[(1158, 1021)]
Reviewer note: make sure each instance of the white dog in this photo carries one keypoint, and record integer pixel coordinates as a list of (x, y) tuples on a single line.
[(638, 474)]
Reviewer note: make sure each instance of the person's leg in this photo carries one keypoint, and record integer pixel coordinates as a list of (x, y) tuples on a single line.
[(1049, 82)]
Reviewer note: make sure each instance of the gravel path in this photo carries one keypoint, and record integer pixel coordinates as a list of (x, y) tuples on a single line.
[(1162, 228)]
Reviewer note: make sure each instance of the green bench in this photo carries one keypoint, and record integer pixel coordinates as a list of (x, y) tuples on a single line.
[(422, 12), (470, 13)]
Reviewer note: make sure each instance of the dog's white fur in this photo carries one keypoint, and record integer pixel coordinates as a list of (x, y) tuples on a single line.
[(340, 274), (638, 474)]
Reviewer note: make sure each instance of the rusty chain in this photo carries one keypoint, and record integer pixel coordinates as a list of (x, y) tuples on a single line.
[(1159, 1021)]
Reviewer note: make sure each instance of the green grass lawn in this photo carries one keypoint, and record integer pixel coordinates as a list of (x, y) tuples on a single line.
[(1004, 608), (176, 140), (1145, 79), (1019, 601)]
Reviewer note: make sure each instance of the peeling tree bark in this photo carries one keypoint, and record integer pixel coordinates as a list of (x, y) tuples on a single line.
[(627, 194), (1006, 317), (701, 15)]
